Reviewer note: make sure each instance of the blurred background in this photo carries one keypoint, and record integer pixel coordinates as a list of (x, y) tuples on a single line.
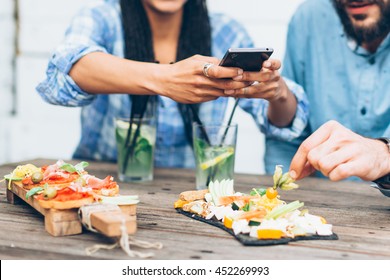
[(31, 30)]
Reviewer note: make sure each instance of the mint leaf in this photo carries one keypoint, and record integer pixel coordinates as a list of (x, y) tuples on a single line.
[(81, 166), (260, 192), (33, 191), (68, 167), (77, 168)]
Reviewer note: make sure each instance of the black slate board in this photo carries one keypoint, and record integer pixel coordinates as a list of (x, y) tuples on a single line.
[(251, 241)]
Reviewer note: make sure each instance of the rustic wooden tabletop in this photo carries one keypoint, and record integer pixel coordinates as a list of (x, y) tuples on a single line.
[(360, 216)]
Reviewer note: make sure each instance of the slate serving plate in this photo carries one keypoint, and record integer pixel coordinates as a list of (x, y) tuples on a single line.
[(251, 241)]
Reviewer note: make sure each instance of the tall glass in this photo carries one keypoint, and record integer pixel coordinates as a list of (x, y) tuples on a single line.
[(135, 145), (214, 148)]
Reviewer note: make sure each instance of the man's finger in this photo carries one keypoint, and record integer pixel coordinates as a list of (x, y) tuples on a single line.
[(307, 170), (318, 137)]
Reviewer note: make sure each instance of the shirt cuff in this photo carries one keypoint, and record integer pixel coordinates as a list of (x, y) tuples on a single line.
[(300, 119), (71, 54), (59, 88)]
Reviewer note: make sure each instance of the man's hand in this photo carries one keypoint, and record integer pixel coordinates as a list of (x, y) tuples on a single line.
[(340, 153)]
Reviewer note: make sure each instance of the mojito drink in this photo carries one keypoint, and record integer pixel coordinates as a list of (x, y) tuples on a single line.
[(135, 163), (213, 163)]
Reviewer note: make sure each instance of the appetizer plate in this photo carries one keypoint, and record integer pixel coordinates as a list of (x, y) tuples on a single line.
[(250, 241)]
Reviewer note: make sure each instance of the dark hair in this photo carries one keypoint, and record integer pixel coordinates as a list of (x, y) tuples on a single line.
[(195, 38), (195, 34)]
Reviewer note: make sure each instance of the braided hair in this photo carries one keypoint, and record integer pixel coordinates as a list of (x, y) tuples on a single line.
[(195, 33), (195, 38)]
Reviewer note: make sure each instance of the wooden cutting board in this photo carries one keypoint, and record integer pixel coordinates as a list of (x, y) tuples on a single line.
[(67, 222)]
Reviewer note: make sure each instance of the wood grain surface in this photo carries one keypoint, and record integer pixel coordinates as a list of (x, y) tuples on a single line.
[(360, 216)]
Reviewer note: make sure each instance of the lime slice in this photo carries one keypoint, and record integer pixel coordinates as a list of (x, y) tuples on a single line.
[(120, 200), (216, 160)]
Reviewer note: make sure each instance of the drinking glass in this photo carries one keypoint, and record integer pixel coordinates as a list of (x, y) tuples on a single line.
[(214, 149)]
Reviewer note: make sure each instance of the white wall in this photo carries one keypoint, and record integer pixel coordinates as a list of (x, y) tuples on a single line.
[(42, 130)]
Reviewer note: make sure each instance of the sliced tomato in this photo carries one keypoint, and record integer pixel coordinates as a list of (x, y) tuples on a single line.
[(27, 181), (60, 180), (67, 194)]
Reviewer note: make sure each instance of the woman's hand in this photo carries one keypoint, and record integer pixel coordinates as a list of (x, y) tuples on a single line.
[(186, 82), (268, 84)]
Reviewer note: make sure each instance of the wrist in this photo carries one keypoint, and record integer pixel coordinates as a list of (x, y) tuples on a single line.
[(386, 143), (283, 95), (155, 79)]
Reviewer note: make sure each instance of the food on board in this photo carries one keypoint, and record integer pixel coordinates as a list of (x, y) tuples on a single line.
[(62, 185), (261, 214)]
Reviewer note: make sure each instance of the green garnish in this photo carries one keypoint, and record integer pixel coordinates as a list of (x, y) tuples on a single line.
[(283, 181), (259, 192), (9, 177), (79, 168), (246, 207), (284, 209), (33, 191)]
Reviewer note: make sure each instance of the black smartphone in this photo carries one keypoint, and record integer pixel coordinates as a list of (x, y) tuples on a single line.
[(248, 59)]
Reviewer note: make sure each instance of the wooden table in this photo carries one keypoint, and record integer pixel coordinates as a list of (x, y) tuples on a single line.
[(359, 213)]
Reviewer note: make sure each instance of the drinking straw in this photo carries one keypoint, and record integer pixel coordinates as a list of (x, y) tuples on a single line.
[(214, 169), (199, 122), (229, 122), (138, 108)]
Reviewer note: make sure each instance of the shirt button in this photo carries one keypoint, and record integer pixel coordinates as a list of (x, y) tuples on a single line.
[(363, 111)]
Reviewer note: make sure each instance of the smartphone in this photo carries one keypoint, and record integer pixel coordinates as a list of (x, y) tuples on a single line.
[(248, 59)]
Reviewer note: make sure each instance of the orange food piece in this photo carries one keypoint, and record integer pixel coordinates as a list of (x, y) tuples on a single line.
[(228, 222), (60, 180), (271, 193), (226, 200), (27, 181), (254, 214), (269, 233), (66, 194), (180, 203)]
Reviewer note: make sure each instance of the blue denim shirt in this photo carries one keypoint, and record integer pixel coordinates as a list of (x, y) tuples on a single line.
[(343, 81), (98, 28)]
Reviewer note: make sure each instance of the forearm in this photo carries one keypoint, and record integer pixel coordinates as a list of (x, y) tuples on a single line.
[(101, 73), (281, 111)]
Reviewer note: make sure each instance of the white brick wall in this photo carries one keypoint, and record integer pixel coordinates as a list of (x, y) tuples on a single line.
[(42, 130), (6, 55)]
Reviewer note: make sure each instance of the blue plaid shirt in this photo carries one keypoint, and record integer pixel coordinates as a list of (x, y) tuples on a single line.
[(98, 28)]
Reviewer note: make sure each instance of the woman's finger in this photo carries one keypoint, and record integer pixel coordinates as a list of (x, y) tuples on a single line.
[(272, 64)]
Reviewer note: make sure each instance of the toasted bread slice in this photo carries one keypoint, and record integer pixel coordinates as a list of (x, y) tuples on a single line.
[(107, 191), (193, 195), (62, 205)]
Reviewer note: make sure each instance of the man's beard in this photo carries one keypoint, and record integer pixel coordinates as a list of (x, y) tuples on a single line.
[(364, 34)]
